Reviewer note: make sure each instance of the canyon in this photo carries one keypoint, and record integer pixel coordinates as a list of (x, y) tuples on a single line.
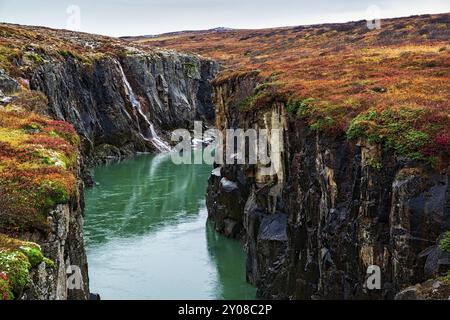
[(313, 228), (110, 101), (340, 200)]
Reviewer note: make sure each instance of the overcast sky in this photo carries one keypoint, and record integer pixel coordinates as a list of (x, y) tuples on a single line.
[(139, 17)]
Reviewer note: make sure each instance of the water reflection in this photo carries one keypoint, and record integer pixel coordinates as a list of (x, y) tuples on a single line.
[(141, 195), (229, 260), (146, 236)]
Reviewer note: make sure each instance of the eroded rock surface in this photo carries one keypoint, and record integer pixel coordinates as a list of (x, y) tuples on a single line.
[(172, 90), (332, 208)]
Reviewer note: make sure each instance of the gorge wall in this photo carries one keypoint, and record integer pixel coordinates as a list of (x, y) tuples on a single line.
[(49, 225), (64, 245), (119, 105), (333, 208)]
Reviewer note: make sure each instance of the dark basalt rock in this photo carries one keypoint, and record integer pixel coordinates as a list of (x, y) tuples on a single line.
[(273, 228), (312, 231)]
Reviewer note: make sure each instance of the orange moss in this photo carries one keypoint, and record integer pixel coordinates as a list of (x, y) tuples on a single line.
[(37, 168), (346, 69)]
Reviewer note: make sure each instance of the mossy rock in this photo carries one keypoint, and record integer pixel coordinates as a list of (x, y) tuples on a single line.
[(395, 130), (38, 161), (16, 259)]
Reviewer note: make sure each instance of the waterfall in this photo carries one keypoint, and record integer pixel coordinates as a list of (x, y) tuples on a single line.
[(159, 144)]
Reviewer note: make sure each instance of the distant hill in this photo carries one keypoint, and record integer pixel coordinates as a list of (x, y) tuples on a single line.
[(176, 33)]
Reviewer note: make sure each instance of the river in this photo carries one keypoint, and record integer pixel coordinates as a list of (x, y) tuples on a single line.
[(147, 236)]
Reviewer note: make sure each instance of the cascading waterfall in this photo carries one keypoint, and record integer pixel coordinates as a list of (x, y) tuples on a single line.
[(159, 144)]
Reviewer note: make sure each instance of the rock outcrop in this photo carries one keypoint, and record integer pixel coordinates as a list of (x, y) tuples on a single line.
[(55, 265), (120, 99), (118, 105), (47, 266), (331, 209), (64, 245)]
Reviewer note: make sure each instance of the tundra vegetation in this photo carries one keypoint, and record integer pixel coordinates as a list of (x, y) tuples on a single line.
[(38, 159), (38, 155), (389, 85)]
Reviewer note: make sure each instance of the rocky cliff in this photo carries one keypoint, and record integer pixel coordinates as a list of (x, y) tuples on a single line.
[(120, 105), (120, 99), (41, 203), (334, 207)]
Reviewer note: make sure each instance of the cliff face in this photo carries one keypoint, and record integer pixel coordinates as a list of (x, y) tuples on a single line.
[(41, 203), (123, 105), (64, 245), (332, 209), (50, 265), (120, 100)]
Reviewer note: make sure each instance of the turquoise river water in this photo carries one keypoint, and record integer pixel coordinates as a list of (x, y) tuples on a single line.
[(147, 236)]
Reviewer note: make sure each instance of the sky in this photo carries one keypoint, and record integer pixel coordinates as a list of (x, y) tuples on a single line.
[(140, 17)]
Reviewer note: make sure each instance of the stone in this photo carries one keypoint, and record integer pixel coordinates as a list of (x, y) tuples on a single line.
[(8, 85)]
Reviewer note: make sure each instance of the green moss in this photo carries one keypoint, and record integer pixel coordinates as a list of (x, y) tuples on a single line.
[(67, 54), (322, 123), (49, 263), (42, 154), (53, 193), (300, 107), (16, 266), (190, 69), (394, 129), (360, 124), (54, 158), (33, 253), (16, 259), (444, 244), (122, 53), (32, 128), (247, 103), (34, 57)]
